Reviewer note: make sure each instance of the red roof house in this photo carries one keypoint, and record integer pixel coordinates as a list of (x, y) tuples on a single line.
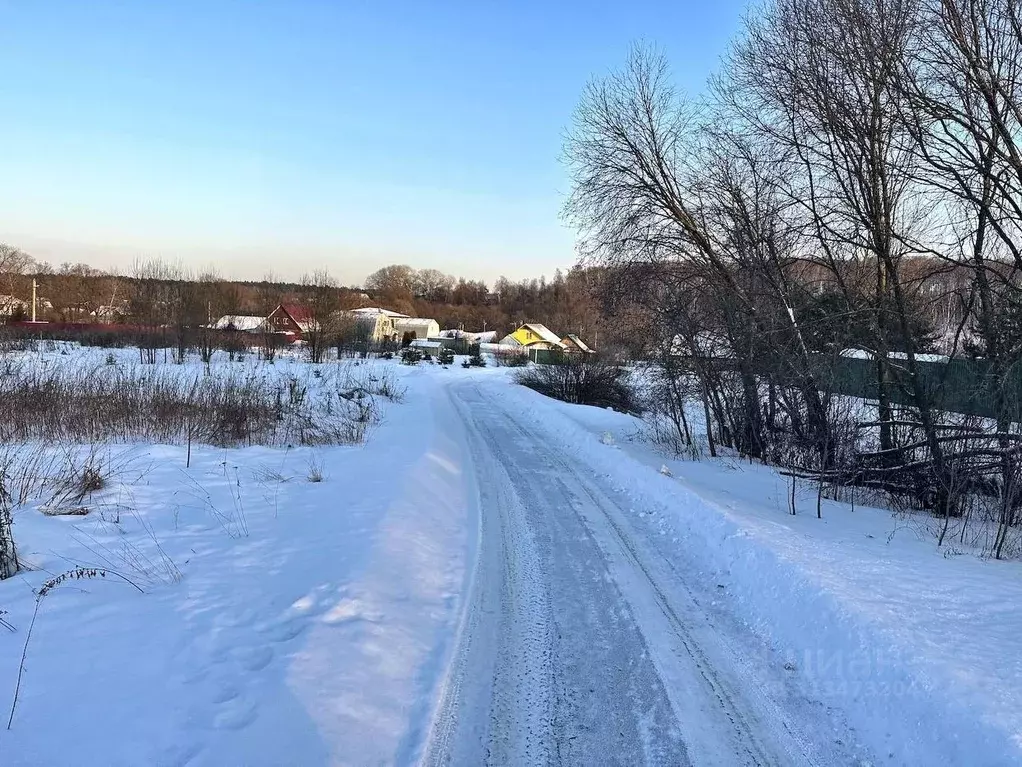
[(291, 318)]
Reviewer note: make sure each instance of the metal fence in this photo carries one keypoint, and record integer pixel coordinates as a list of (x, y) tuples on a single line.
[(958, 385), (546, 356)]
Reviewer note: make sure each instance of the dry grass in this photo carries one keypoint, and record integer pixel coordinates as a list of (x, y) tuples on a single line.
[(57, 404), (315, 471)]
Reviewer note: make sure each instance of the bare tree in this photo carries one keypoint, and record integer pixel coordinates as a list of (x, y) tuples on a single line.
[(396, 281), (432, 285), (698, 204), (212, 298), (149, 306), (852, 181), (14, 262), (962, 108), (321, 301)]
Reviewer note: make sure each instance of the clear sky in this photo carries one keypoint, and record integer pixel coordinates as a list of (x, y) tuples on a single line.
[(298, 134)]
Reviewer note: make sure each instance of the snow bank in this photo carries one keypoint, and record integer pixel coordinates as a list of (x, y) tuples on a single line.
[(919, 651)]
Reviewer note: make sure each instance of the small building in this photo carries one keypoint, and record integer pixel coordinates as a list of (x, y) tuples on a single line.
[(427, 347), (533, 335), (373, 325), (295, 319), (469, 337), (416, 328), (575, 345), (241, 323), (110, 314)]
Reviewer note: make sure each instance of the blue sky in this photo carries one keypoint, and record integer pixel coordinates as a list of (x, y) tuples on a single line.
[(305, 134)]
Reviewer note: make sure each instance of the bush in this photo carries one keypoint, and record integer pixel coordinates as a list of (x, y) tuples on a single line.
[(384, 386), (512, 359), (475, 361), (446, 356), (580, 380), (411, 356)]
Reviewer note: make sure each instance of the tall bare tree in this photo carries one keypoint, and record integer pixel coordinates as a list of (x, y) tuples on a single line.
[(321, 302)]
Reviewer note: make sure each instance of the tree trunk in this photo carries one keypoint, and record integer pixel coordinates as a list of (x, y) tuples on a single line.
[(8, 553)]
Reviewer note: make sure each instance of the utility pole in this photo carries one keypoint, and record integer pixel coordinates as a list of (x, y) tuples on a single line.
[(34, 286)]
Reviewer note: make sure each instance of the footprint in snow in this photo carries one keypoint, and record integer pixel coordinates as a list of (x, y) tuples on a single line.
[(225, 693), (179, 754), (236, 714), (253, 658), (284, 630), (232, 620)]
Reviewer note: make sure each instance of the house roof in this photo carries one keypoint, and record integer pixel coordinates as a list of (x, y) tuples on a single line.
[(482, 337), (405, 322), (543, 332), (378, 310), (302, 316), (239, 322), (298, 313), (582, 345)]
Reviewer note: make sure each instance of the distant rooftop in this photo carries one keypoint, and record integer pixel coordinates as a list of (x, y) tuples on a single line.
[(378, 310)]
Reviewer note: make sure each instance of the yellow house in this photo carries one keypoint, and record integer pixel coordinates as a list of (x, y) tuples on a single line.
[(532, 335)]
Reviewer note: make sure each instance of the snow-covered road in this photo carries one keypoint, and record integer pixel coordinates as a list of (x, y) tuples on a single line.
[(581, 644)]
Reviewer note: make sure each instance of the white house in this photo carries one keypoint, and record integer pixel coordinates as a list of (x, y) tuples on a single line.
[(425, 346), (373, 324), (418, 327)]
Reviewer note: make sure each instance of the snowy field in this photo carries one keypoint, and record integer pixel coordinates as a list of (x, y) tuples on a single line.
[(496, 577), (280, 620)]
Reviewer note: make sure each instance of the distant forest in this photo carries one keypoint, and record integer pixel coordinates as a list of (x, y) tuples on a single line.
[(568, 303)]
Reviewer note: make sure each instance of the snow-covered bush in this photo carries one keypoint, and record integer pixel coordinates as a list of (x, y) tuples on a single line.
[(60, 478), (383, 385)]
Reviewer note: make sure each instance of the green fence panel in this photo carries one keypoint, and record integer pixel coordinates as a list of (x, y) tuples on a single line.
[(958, 385)]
